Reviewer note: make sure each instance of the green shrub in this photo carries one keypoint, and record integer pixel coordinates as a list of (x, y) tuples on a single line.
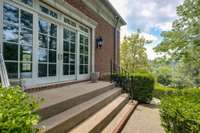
[(161, 91), (180, 111), (143, 86), (164, 79), (17, 111)]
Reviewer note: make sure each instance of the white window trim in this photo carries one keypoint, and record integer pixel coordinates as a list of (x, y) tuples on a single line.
[(59, 21), (1, 27), (18, 61), (37, 6)]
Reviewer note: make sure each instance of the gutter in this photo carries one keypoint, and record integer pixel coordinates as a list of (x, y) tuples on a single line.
[(115, 39)]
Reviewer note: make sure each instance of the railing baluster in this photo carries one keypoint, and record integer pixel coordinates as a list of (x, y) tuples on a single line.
[(111, 71), (122, 78), (132, 88)]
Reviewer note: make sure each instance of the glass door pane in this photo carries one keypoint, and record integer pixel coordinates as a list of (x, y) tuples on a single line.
[(84, 55), (47, 49), (17, 41), (69, 52)]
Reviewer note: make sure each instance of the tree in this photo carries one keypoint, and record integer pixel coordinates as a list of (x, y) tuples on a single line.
[(133, 53), (161, 68), (182, 43)]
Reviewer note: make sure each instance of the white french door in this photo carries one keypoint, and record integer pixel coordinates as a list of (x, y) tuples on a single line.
[(39, 49), (47, 50), (83, 56), (62, 55), (68, 54), (18, 41)]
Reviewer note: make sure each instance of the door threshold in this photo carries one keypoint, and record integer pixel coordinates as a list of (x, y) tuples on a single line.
[(42, 87)]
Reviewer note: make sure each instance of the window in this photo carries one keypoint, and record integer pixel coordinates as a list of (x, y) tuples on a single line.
[(48, 12), (47, 52), (84, 58), (70, 22), (17, 41), (84, 29), (69, 52), (27, 2)]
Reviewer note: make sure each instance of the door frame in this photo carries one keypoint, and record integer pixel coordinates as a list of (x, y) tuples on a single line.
[(47, 79), (84, 76), (63, 77), (34, 58), (60, 23)]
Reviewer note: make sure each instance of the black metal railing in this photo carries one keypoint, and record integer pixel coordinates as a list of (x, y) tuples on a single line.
[(122, 78)]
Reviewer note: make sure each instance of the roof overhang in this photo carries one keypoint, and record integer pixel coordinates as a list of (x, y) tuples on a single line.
[(105, 9), (114, 11)]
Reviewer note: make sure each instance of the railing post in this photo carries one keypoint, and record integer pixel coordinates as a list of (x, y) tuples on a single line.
[(123, 78), (131, 88), (127, 81), (111, 71)]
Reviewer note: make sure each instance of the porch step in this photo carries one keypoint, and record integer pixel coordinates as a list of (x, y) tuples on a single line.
[(117, 124), (68, 119), (101, 119), (60, 99)]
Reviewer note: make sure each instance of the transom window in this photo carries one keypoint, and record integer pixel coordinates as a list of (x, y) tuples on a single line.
[(17, 41), (47, 51), (84, 29), (84, 58), (27, 2), (48, 11), (70, 22)]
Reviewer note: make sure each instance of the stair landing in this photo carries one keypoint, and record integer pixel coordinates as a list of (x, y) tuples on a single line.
[(54, 96)]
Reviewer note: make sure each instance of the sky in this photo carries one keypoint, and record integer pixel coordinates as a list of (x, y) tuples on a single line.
[(150, 16)]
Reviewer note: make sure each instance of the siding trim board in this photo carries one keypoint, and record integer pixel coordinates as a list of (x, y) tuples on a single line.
[(104, 9)]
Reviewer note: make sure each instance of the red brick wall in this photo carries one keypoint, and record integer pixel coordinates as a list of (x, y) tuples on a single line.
[(106, 31)]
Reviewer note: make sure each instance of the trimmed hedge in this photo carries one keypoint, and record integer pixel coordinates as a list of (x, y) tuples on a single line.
[(143, 86), (17, 111), (180, 111), (140, 85), (160, 91)]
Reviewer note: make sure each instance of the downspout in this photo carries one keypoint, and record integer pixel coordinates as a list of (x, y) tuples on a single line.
[(115, 41)]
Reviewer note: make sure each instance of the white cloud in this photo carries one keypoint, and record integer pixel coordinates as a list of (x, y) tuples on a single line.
[(121, 6), (165, 26), (124, 32), (149, 37), (147, 15), (150, 52)]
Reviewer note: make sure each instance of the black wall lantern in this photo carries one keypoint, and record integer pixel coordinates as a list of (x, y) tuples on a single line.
[(99, 42)]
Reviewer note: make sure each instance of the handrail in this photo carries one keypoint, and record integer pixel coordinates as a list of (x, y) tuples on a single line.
[(122, 78)]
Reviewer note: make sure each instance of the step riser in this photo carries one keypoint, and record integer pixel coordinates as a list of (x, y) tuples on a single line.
[(99, 127), (60, 107), (120, 120), (74, 121)]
